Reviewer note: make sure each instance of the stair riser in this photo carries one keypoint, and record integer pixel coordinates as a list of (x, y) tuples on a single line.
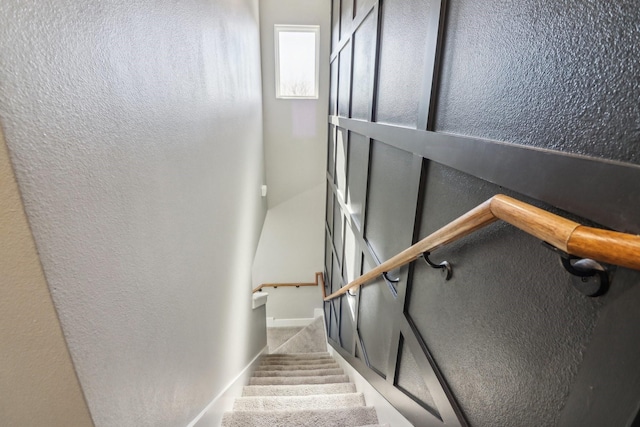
[(327, 379), (298, 390), (326, 418), (304, 373), (298, 362), (297, 367), (298, 355), (330, 401)]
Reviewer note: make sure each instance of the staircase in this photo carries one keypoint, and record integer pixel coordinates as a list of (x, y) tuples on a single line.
[(300, 388)]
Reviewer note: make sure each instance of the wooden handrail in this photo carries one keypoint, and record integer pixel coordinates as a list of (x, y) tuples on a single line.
[(319, 276), (571, 237)]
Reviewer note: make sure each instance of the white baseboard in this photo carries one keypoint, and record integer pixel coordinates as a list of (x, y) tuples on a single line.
[(211, 415), (387, 414), (285, 323)]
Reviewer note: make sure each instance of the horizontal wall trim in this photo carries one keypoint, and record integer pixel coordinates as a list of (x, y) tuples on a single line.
[(600, 190)]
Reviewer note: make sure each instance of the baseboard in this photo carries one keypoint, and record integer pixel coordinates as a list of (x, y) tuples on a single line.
[(211, 415), (287, 323), (387, 414)]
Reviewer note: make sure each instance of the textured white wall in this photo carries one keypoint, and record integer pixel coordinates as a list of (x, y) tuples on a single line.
[(295, 135), (135, 133), (295, 131), (291, 250)]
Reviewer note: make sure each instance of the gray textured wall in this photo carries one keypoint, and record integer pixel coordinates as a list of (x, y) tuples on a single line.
[(135, 133), (562, 75), (516, 343)]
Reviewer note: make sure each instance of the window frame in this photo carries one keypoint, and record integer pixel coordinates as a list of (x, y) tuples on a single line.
[(277, 29)]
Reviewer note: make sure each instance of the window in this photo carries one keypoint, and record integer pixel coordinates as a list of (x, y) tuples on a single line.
[(297, 61)]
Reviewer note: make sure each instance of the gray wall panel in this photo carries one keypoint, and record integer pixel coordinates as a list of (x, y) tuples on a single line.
[(562, 75), (331, 150), (334, 331), (336, 280), (357, 179), (346, 323), (509, 305), (410, 380), (338, 230), (364, 51), (342, 145), (344, 81), (346, 15), (333, 88), (403, 37), (328, 256), (329, 210), (391, 203), (335, 24), (375, 324)]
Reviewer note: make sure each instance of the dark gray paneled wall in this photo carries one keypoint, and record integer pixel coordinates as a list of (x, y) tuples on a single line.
[(563, 75), (508, 341)]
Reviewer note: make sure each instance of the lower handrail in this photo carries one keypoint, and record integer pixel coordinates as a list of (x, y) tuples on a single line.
[(292, 284), (571, 237)]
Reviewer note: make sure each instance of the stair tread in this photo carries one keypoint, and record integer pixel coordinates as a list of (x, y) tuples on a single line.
[(297, 367), (299, 373), (285, 360), (357, 416), (323, 379), (272, 403), (298, 390), (298, 355), (288, 364)]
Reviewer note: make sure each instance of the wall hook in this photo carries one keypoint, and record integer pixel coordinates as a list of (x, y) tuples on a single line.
[(391, 283), (386, 277), (444, 266), (594, 278)]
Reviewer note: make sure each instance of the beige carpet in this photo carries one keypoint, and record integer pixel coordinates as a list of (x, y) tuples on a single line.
[(301, 386), (311, 339), (278, 336), (298, 390)]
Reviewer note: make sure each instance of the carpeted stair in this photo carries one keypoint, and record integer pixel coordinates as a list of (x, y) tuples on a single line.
[(303, 389)]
